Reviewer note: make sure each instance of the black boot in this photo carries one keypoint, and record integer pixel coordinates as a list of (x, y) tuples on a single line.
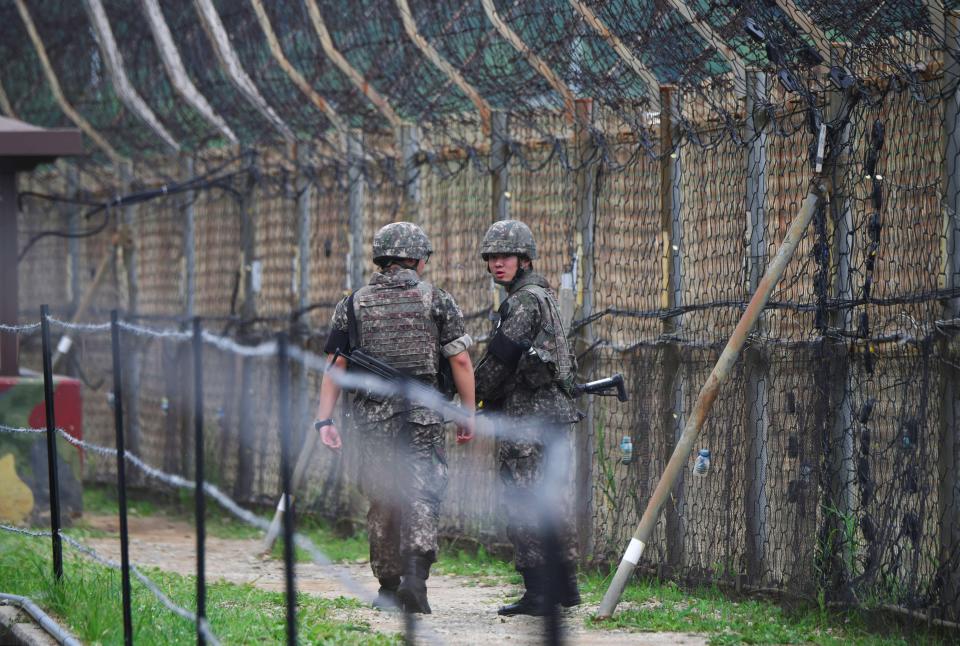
[(569, 595), (533, 602), (387, 595), (413, 588)]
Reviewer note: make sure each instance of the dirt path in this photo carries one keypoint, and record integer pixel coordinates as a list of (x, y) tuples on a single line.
[(463, 611)]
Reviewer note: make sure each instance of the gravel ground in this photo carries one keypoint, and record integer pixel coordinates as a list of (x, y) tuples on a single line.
[(464, 608)]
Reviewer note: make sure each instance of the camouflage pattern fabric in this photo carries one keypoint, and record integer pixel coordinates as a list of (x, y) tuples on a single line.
[(543, 413), (401, 240), (522, 470), (403, 473), (509, 237), (453, 339), (523, 392)]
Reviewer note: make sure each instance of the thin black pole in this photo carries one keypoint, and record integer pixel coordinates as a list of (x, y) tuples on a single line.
[(199, 500), (121, 478), (283, 361), (51, 443)]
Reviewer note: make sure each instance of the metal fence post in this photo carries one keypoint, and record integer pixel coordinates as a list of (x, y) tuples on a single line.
[(121, 476), (134, 366), (756, 363), (670, 396), (283, 382), (949, 442), (411, 173), (243, 487), (499, 184), (839, 502), (54, 480), (355, 200), (199, 499), (586, 183), (499, 165)]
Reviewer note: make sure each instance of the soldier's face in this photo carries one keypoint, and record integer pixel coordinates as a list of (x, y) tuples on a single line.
[(502, 267)]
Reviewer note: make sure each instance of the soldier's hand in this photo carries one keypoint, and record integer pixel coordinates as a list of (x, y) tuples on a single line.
[(465, 431), (330, 437)]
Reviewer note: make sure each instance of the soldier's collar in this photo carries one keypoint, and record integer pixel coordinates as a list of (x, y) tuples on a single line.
[(395, 276), (528, 277)]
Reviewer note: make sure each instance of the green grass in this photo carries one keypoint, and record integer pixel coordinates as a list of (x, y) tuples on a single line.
[(646, 606), (650, 606), (88, 602)]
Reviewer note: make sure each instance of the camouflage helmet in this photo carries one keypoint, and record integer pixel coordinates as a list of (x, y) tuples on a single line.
[(401, 240), (509, 237)]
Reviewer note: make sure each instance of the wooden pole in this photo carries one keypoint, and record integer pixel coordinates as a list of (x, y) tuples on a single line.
[(708, 393)]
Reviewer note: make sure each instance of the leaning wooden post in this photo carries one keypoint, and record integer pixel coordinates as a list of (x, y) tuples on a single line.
[(670, 396), (708, 393), (756, 362), (586, 183), (949, 444)]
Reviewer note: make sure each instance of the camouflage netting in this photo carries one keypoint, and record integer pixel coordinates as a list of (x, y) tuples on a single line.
[(658, 151)]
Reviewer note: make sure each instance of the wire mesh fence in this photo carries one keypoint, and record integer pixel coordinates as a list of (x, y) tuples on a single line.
[(833, 446)]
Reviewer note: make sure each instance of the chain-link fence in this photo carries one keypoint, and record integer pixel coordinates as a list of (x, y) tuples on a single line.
[(833, 446)]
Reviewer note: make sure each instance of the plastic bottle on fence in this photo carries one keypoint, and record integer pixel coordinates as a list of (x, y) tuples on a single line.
[(702, 464), (626, 450)]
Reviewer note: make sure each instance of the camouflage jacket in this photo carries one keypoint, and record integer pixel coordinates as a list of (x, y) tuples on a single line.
[(509, 390), (452, 339)]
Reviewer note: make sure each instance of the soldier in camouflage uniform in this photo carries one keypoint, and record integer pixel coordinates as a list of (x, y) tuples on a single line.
[(408, 323), (527, 373)]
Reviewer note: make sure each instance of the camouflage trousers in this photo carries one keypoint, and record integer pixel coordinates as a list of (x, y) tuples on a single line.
[(538, 497), (403, 474)]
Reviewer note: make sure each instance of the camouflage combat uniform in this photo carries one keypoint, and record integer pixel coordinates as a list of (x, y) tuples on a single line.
[(403, 466), (534, 395)]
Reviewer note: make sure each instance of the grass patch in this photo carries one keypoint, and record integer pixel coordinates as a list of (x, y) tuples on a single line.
[(484, 569), (650, 606), (88, 601)]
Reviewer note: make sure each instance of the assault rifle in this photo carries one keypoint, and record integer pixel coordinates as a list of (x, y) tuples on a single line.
[(601, 386), (408, 386)]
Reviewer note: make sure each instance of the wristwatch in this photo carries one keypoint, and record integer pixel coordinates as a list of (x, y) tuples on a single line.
[(320, 423)]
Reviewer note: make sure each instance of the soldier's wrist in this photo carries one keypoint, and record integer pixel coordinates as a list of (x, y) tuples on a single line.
[(320, 423)]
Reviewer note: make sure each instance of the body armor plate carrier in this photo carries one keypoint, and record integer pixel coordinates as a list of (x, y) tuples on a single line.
[(550, 348), (395, 325)]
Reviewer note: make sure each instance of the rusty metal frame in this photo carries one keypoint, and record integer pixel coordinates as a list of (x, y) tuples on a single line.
[(298, 79), (569, 101), (113, 59), (338, 59), (177, 72), (634, 63), (78, 119), (808, 25), (230, 62), (708, 34), (428, 50)]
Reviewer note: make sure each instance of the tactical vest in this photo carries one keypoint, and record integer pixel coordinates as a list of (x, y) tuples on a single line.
[(395, 324), (550, 346)]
